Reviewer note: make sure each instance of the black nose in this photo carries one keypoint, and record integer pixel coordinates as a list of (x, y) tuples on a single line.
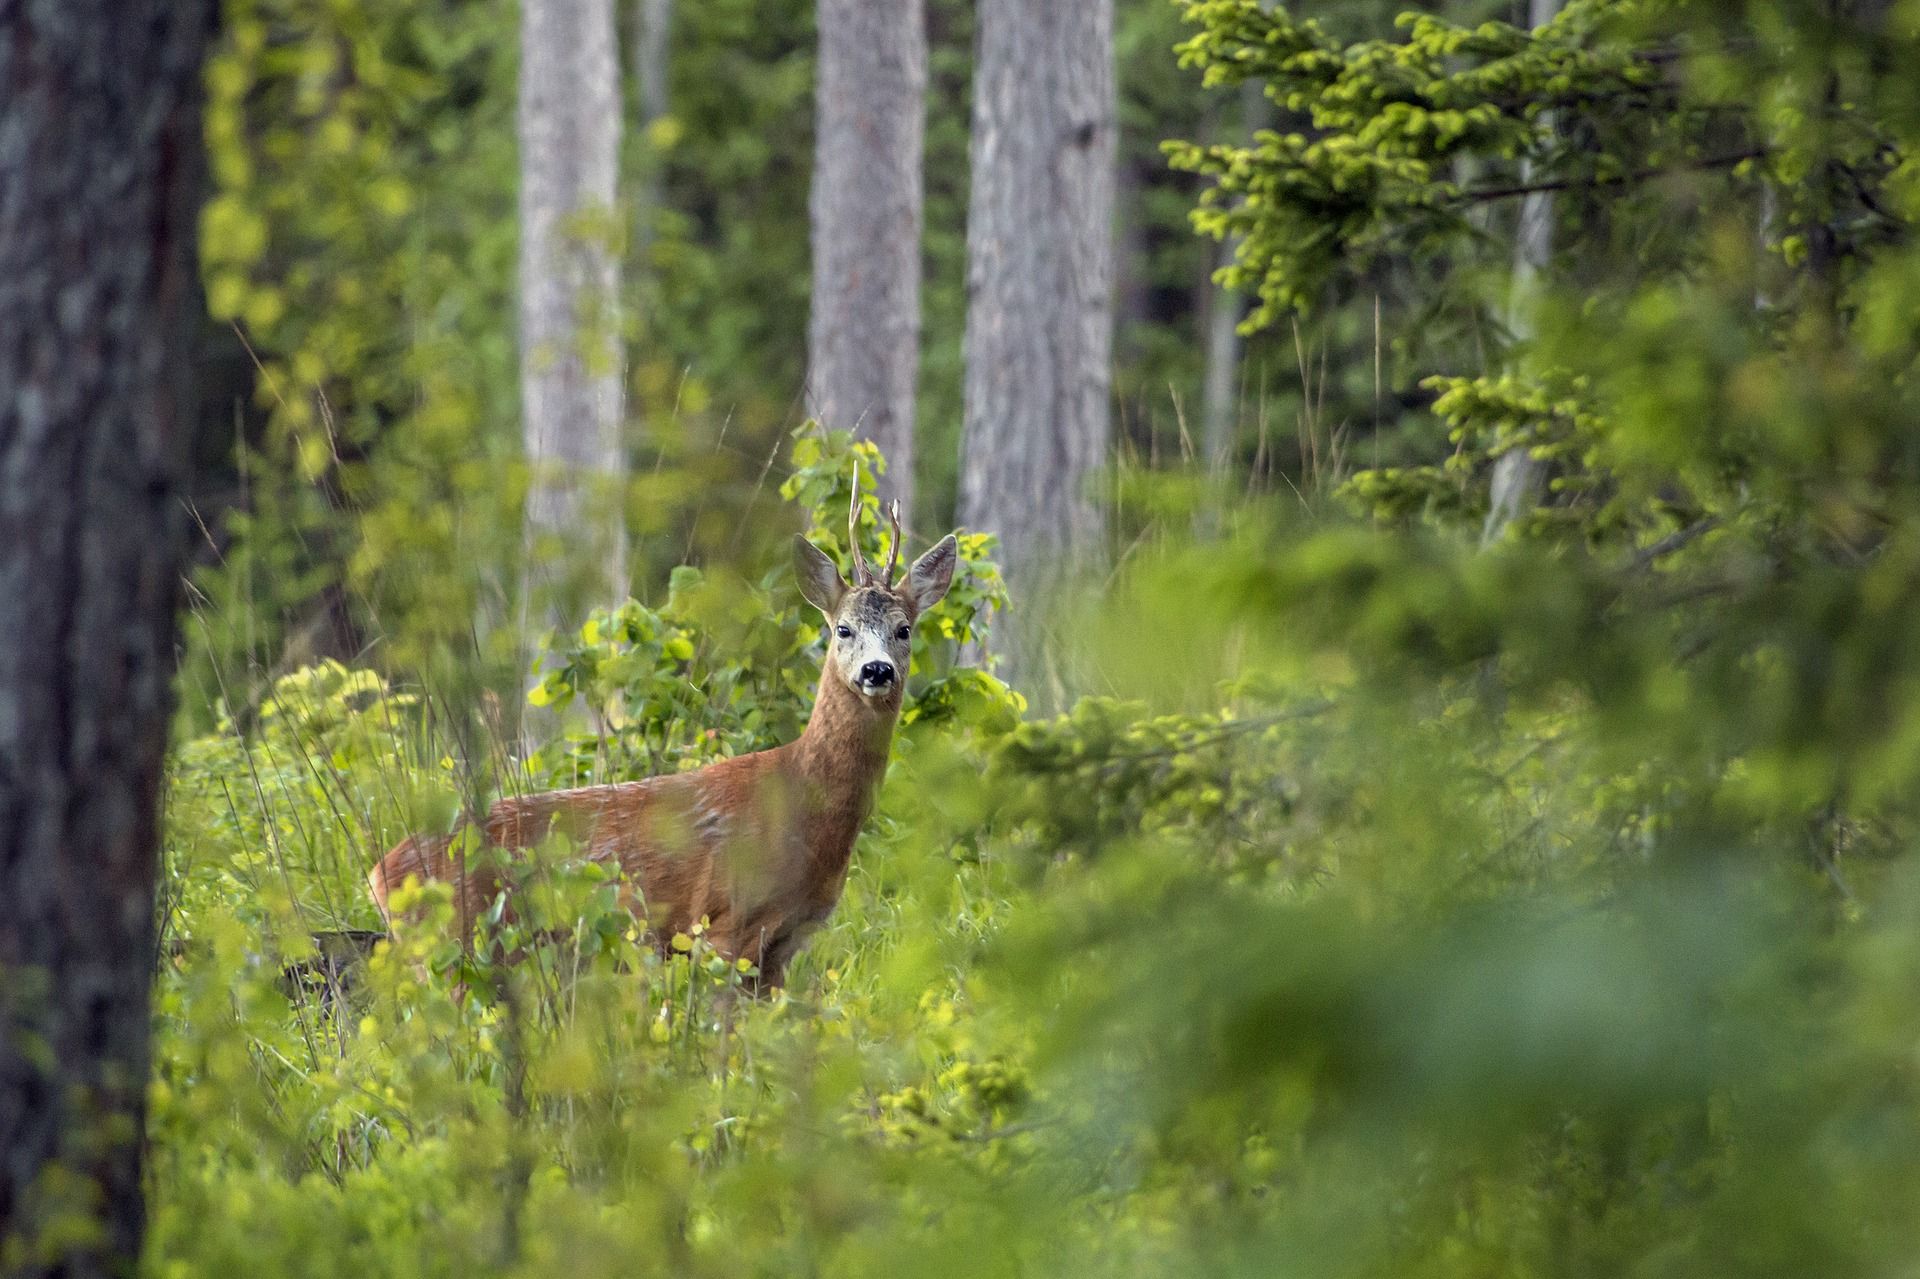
[(877, 673)]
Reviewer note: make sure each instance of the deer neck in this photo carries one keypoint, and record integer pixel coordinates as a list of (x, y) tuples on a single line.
[(842, 754)]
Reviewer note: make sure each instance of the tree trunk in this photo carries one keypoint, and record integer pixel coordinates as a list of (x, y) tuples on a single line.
[(652, 32), (863, 338), (569, 331), (1220, 384), (1220, 389), (99, 168), (1040, 271), (1518, 480)]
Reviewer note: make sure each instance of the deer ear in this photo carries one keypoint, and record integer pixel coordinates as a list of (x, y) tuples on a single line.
[(932, 574), (820, 581)]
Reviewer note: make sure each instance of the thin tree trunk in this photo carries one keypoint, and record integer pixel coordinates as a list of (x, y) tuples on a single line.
[(569, 123), (863, 337), (1040, 271), (1519, 480), (1220, 388), (99, 169), (652, 34), (1766, 234)]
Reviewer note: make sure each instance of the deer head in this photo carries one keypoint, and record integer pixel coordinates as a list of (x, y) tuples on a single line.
[(870, 620)]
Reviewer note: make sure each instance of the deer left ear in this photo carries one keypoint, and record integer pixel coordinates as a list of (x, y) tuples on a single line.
[(931, 574), (820, 581)]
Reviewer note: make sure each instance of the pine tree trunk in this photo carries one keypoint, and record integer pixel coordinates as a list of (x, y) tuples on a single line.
[(1040, 273), (569, 332), (863, 337), (99, 168)]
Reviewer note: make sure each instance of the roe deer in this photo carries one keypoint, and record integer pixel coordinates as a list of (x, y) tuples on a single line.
[(757, 845)]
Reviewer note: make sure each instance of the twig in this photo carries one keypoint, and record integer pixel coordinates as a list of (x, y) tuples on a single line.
[(1673, 542), (1225, 732), (1008, 1130), (1482, 194)]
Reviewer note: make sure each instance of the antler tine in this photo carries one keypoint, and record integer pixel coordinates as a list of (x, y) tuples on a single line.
[(893, 551), (861, 575)]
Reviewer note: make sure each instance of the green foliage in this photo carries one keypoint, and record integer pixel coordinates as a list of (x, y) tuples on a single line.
[(1106, 770), (1375, 173), (361, 238), (1354, 969), (333, 764), (1671, 149)]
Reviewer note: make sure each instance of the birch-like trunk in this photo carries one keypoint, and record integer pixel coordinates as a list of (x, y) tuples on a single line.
[(1040, 273), (100, 149), (863, 336), (1518, 480), (569, 123)]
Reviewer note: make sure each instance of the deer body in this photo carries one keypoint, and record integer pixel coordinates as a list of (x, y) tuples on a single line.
[(757, 845)]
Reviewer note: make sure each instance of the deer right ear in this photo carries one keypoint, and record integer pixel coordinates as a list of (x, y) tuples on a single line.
[(820, 581), (931, 574)]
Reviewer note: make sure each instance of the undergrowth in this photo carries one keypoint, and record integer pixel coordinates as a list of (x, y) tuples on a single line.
[(1394, 949)]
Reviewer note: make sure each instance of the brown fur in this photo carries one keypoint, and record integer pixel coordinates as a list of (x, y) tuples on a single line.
[(757, 845)]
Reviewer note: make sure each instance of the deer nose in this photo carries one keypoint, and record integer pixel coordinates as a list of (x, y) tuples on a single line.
[(877, 673)]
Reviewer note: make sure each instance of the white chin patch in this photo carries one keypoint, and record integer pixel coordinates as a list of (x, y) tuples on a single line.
[(875, 690)]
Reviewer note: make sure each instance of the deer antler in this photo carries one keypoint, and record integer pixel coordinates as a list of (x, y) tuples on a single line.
[(893, 551), (862, 575)]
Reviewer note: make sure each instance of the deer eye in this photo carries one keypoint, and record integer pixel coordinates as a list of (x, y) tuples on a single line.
[(903, 633), (844, 632)]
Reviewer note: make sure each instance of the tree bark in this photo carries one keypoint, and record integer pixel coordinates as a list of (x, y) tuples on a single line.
[(99, 183), (652, 34), (1040, 271), (863, 337), (569, 124), (1518, 480), (1220, 388)]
